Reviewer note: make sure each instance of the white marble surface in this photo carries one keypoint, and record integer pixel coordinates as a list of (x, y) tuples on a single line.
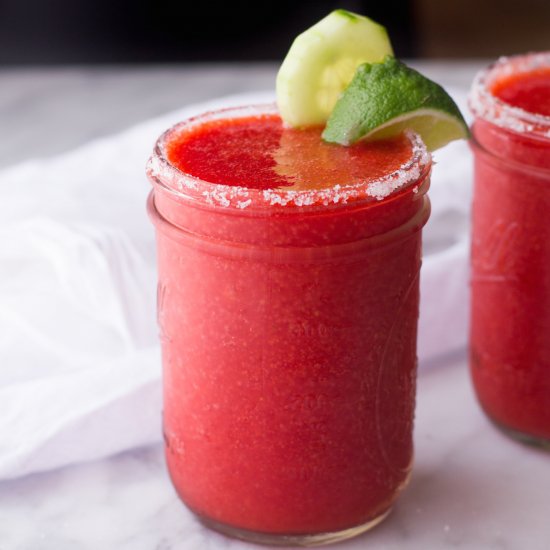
[(472, 488)]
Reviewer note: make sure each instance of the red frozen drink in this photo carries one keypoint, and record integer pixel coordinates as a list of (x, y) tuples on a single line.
[(288, 307)]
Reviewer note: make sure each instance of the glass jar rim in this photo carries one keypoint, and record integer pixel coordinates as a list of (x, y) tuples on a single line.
[(187, 187), (486, 106)]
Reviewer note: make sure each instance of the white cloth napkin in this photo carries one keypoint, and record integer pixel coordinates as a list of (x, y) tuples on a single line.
[(79, 357)]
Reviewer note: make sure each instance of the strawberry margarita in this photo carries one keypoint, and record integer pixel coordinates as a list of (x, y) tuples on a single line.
[(510, 346), (288, 306)]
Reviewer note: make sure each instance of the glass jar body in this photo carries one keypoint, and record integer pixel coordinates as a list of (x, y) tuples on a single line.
[(289, 357), (510, 315)]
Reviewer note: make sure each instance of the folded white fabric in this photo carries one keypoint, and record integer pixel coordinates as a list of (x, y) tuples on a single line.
[(79, 358)]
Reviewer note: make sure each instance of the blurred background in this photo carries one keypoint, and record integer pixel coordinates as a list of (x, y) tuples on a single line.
[(54, 32), (129, 60)]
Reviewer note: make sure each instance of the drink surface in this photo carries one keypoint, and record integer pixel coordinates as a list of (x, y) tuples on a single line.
[(527, 90), (256, 152)]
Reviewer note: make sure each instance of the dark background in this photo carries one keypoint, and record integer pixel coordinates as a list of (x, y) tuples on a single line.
[(35, 32)]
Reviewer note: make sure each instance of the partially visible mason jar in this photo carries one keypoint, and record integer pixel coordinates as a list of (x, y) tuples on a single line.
[(510, 318)]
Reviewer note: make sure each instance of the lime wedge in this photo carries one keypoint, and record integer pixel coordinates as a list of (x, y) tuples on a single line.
[(383, 99), (322, 61)]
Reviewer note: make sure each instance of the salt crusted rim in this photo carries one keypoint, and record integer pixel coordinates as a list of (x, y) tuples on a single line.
[(189, 187), (486, 106)]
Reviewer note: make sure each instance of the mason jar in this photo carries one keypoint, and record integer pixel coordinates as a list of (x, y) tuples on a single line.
[(510, 284), (288, 324)]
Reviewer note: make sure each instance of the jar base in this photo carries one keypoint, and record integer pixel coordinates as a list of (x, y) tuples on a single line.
[(527, 439), (274, 539)]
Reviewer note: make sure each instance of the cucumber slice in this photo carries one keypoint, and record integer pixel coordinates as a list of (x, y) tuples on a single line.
[(322, 61)]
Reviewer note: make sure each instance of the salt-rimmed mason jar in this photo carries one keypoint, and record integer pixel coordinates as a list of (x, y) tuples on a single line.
[(510, 318), (288, 323)]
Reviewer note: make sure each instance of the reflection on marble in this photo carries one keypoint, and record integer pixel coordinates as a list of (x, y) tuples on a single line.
[(472, 488)]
